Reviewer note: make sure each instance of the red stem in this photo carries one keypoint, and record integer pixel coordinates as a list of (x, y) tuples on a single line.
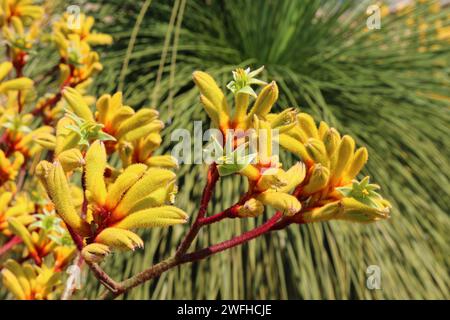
[(249, 235), (213, 177), (228, 213), (10, 244)]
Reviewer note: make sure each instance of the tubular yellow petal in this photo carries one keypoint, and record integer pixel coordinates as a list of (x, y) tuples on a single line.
[(307, 125), (331, 140), (251, 208), (11, 282), (342, 158), (71, 159), (280, 201), (356, 211), (65, 138), (119, 239), (139, 119), (17, 270), (323, 213), (121, 115), (139, 132), (359, 160), (5, 198), (103, 109), (317, 152), (241, 102), (98, 39), (323, 128), (318, 180), (95, 168), (129, 177), (154, 217), (211, 110), (164, 161), (294, 146), (209, 88), (295, 175), (20, 230), (16, 84), (46, 140), (251, 172), (95, 252), (152, 180), (5, 68), (154, 199), (59, 192), (76, 102), (274, 178), (265, 100)]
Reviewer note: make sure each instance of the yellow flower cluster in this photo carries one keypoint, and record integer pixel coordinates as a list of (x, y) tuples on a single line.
[(31, 282), (139, 197), (321, 187)]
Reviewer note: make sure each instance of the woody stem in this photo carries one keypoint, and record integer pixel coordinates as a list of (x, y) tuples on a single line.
[(172, 262), (213, 177)]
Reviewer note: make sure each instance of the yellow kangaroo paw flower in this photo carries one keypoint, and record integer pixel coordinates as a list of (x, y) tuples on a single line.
[(11, 282), (251, 208), (123, 182), (295, 175), (16, 84), (17, 270), (139, 119), (307, 125), (71, 159), (316, 150), (5, 68), (280, 201), (331, 140), (140, 132), (209, 88), (20, 230), (95, 252), (59, 192), (342, 158), (164, 161), (95, 168), (359, 160), (318, 180), (153, 178), (294, 146), (76, 102), (264, 102)]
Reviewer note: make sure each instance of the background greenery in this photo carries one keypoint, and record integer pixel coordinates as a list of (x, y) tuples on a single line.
[(388, 88)]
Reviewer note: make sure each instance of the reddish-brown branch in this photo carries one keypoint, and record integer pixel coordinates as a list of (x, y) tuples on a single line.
[(170, 263), (228, 213), (10, 244), (243, 238), (213, 177)]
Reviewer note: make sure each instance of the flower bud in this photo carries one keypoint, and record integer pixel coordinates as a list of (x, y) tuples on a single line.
[(77, 104), (71, 159), (317, 152), (251, 208), (307, 125), (331, 140), (95, 252), (342, 157), (284, 202), (318, 180), (265, 100), (16, 84), (359, 160)]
